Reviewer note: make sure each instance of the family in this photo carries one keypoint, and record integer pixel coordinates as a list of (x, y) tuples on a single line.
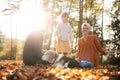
[(87, 54)]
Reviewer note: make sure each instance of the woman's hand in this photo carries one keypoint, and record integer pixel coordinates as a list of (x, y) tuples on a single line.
[(110, 52)]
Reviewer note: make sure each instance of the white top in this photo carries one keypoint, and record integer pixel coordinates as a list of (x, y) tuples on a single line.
[(64, 31)]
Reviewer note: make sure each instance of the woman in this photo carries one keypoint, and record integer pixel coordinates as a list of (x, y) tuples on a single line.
[(89, 47), (64, 35)]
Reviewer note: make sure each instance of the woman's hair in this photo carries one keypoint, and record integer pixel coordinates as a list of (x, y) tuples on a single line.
[(87, 25)]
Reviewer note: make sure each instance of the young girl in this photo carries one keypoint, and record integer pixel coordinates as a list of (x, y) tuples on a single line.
[(64, 35)]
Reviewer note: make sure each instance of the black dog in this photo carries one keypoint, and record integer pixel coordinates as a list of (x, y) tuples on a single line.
[(114, 61)]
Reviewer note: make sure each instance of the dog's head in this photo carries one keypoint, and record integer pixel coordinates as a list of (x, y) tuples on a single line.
[(49, 56)]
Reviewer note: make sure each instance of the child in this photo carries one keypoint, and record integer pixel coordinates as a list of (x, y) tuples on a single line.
[(64, 35)]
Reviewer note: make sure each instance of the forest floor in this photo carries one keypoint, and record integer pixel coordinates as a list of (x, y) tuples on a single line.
[(16, 70)]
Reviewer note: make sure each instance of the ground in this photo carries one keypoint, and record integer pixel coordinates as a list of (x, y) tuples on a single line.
[(16, 70)]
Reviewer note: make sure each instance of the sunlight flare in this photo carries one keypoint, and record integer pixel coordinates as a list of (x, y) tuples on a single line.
[(28, 18)]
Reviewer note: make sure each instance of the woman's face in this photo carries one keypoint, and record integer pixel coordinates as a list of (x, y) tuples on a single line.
[(85, 30)]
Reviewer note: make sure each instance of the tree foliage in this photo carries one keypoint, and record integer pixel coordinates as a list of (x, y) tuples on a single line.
[(10, 50), (115, 25), (12, 7), (1, 41)]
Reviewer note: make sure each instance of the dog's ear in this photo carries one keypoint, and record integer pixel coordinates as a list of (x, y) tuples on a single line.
[(44, 51), (55, 55), (47, 51)]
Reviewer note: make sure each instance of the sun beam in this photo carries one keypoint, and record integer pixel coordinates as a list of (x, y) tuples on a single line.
[(28, 18)]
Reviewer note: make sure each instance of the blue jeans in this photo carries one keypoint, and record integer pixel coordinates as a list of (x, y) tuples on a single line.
[(86, 64)]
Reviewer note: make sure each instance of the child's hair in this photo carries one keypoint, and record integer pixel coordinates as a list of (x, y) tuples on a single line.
[(64, 14), (61, 15)]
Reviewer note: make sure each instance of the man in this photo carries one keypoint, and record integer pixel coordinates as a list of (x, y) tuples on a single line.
[(32, 51)]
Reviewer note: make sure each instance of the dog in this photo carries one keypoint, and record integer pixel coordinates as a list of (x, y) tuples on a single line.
[(59, 60)]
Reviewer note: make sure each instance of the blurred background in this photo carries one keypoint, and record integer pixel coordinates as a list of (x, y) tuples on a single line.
[(20, 17)]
